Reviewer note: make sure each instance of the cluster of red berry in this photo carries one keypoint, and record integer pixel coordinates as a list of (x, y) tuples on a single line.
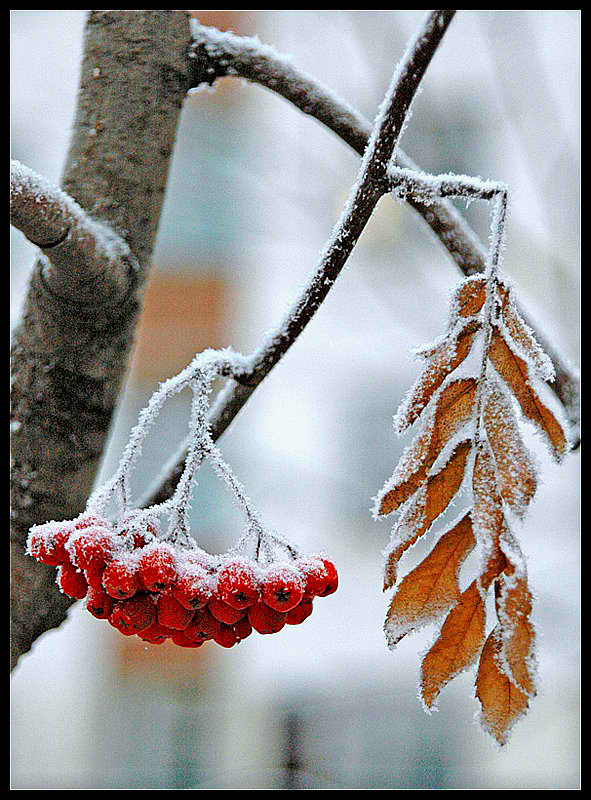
[(149, 587)]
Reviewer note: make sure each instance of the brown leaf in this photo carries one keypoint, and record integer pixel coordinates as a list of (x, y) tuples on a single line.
[(521, 334), (470, 296), (502, 702), (410, 474), (457, 646), (516, 478), (514, 607), (442, 360), (432, 587), (454, 408), (513, 369), (487, 516), (438, 493)]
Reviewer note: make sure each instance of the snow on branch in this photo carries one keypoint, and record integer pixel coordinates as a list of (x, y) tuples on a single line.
[(85, 260), (216, 54), (370, 186)]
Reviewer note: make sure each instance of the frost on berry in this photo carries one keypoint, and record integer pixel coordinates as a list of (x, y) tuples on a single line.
[(282, 587), (319, 575), (47, 542), (238, 584), (87, 520), (121, 578), (157, 566), (333, 579), (193, 587), (92, 547)]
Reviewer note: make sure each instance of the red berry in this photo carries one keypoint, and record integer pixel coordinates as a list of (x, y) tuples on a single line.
[(182, 640), (91, 547), (203, 625), (301, 612), (99, 603), (192, 589), (94, 578), (47, 543), (243, 628), (223, 612), (226, 636), (320, 576), (72, 581), (237, 584), (282, 588), (265, 619), (171, 613), (157, 567), (121, 579), (135, 615), (157, 633), (333, 579)]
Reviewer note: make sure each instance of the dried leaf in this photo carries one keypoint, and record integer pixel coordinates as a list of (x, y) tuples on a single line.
[(522, 335), (457, 646), (470, 296), (514, 607), (442, 360), (410, 474), (438, 492), (488, 517), (454, 409), (502, 702), (513, 369), (432, 587), (478, 413), (515, 472)]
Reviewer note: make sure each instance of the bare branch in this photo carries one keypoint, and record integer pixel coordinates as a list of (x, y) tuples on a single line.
[(371, 184), (87, 262), (217, 54)]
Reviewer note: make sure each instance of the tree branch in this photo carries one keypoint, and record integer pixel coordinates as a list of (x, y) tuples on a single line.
[(366, 192), (87, 262), (217, 54)]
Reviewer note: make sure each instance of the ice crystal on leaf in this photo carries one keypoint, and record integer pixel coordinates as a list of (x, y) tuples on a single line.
[(474, 378)]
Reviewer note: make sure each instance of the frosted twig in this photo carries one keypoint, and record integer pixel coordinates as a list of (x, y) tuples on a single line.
[(87, 262), (198, 375), (217, 54), (369, 187)]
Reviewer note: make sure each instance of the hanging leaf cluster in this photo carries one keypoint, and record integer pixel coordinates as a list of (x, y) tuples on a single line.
[(469, 441)]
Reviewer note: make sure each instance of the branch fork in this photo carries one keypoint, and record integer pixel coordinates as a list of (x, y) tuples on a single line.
[(85, 262)]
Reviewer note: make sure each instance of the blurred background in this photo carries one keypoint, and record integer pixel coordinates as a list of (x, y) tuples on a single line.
[(324, 705)]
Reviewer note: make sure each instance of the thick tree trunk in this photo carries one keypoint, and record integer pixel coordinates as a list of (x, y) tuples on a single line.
[(72, 347)]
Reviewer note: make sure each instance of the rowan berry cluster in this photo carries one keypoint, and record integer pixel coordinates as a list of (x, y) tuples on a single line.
[(159, 590), (160, 584)]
